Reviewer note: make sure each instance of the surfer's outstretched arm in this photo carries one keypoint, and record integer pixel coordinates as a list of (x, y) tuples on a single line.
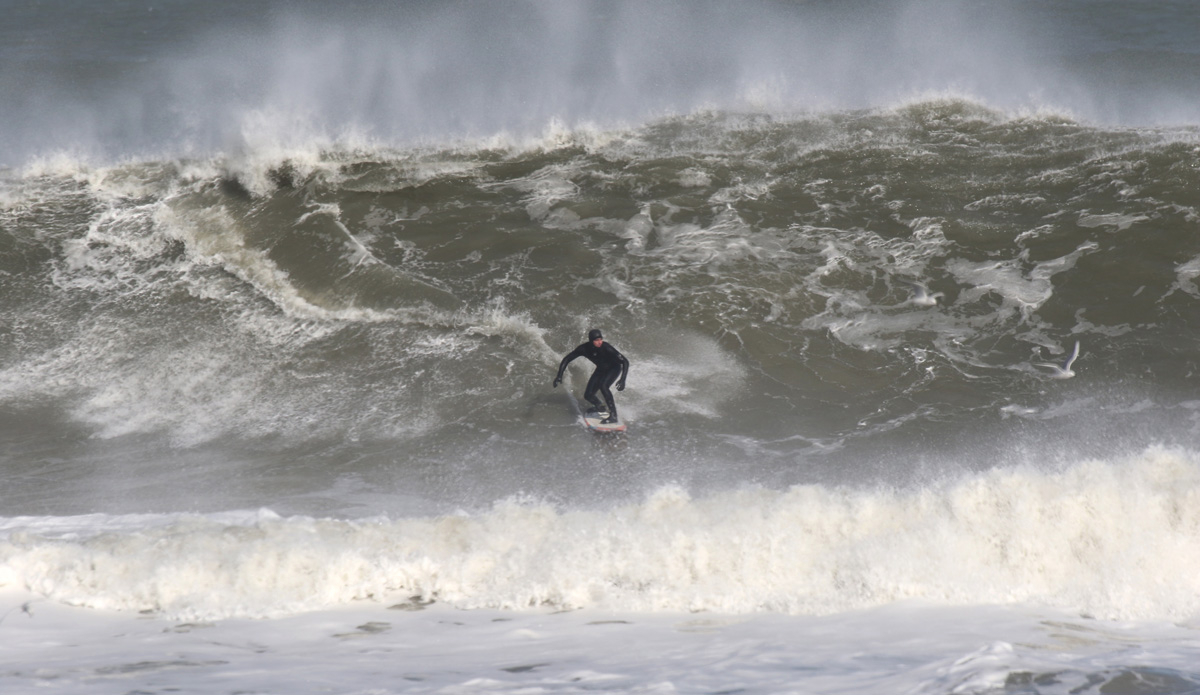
[(562, 366)]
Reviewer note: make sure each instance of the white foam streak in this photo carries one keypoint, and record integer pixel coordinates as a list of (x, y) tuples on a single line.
[(1113, 540), (517, 328), (211, 238), (1187, 274)]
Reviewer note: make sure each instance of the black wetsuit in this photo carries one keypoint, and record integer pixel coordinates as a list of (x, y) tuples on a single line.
[(610, 364)]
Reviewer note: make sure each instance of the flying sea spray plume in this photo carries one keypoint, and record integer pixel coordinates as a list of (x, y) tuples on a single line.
[(120, 81)]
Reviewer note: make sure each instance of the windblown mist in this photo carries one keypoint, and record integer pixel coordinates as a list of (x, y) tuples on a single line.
[(120, 77)]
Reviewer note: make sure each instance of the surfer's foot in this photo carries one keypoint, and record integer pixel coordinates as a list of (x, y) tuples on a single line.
[(610, 420)]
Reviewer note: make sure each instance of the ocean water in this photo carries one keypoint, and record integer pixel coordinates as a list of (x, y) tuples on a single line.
[(285, 286)]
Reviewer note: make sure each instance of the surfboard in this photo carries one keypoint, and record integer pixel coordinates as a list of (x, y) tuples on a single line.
[(593, 423)]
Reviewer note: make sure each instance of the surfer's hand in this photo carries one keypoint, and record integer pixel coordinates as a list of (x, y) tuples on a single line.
[(557, 381), (621, 385)]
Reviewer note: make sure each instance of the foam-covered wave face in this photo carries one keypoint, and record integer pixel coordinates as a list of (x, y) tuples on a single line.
[(757, 270), (1114, 540)]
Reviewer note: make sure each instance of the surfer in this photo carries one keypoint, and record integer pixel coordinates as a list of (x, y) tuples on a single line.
[(609, 365)]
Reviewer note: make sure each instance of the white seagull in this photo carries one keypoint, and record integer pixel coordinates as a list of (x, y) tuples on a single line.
[(921, 296), (1063, 372)]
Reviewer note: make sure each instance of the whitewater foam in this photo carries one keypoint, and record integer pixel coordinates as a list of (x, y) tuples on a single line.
[(1112, 540)]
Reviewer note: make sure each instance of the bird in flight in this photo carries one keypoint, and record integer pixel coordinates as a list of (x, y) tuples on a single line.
[(1064, 371)]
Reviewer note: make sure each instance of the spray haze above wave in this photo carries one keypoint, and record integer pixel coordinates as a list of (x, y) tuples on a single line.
[(287, 74)]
